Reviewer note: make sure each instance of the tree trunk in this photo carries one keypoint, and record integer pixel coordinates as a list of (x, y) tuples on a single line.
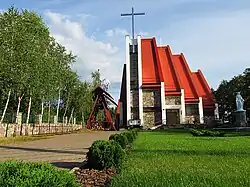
[(49, 113), (71, 115), (28, 115), (18, 107), (83, 123), (58, 104), (66, 108), (6, 106), (42, 110)]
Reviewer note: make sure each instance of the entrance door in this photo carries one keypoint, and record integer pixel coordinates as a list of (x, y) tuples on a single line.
[(173, 117)]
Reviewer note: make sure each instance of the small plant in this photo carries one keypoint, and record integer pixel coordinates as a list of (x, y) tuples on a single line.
[(105, 154), (21, 174), (121, 139)]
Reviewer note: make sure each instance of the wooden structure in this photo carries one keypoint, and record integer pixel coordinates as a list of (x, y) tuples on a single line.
[(101, 99)]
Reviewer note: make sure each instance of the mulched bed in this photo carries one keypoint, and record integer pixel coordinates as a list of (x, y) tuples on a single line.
[(94, 178)]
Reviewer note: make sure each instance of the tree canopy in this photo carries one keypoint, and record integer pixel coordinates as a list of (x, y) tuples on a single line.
[(226, 92), (35, 71)]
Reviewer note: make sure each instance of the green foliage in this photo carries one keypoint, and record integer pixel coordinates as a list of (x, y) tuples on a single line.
[(129, 136), (225, 94), (178, 159), (105, 154), (196, 132), (134, 132), (34, 65), (13, 173), (121, 139)]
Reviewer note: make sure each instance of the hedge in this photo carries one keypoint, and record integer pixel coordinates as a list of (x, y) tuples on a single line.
[(109, 154), (27, 174), (104, 155), (196, 132), (121, 139)]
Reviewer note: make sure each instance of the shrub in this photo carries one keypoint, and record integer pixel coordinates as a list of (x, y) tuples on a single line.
[(121, 139), (129, 136), (195, 132), (104, 154), (118, 153), (21, 174), (134, 133)]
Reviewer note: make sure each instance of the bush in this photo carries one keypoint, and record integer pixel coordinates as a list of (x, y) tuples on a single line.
[(118, 153), (21, 174), (121, 139), (129, 136), (195, 132), (105, 154), (134, 133)]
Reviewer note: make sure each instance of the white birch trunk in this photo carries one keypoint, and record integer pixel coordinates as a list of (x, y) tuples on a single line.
[(28, 115), (18, 107), (83, 119), (42, 110), (71, 115), (58, 104), (66, 108), (49, 113), (6, 106)]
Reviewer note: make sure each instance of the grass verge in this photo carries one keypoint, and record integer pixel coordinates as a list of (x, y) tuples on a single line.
[(178, 160), (19, 139)]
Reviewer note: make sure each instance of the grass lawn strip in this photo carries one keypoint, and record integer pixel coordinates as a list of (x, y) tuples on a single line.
[(162, 159), (19, 139)]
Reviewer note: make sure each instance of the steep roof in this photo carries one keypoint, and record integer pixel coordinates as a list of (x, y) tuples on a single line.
[(152, 72), (160, 65)]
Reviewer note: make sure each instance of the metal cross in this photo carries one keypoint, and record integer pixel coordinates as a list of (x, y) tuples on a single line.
[(133, 14)]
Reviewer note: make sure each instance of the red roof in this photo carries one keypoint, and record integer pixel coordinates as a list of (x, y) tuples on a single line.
[(160, 65), (151, 68)]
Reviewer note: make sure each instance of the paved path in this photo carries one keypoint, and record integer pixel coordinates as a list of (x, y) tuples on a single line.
[(63, 151)]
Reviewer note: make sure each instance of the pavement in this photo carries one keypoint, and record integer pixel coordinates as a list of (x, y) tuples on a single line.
[(63, 151)]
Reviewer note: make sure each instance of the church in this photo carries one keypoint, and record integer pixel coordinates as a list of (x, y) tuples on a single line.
[(158, 87)]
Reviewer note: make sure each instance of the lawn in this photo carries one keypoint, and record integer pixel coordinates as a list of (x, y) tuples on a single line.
[(179, 159)]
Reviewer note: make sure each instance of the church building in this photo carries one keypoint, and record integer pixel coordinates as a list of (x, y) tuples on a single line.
[(158, 87)]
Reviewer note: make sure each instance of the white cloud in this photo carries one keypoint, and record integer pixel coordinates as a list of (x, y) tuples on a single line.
[(116, 32), (119, 32), (92, 54), (218, 44)]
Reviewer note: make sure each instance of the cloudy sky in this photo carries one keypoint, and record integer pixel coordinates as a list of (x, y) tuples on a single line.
[(214, 35)]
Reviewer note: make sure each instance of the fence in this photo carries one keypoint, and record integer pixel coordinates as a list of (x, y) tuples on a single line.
[(8, 130)]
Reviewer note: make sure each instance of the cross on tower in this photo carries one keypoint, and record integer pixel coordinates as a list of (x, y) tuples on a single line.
[(133, 14)]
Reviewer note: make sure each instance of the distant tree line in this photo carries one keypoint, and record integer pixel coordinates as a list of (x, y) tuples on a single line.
[(226, 92), (36, 77)]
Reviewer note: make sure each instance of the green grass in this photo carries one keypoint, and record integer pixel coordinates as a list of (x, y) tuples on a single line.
[(171, 159), (19, 139)]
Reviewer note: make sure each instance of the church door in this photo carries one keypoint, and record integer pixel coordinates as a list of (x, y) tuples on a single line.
[(173, 117)]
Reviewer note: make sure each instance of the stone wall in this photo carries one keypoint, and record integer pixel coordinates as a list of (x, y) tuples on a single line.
[(31, 129), (151, 107), (148, 119), (173, 100), (151, 98), (151, 118)]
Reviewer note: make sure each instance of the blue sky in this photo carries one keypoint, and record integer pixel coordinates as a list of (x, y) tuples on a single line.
[(214, 35)]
